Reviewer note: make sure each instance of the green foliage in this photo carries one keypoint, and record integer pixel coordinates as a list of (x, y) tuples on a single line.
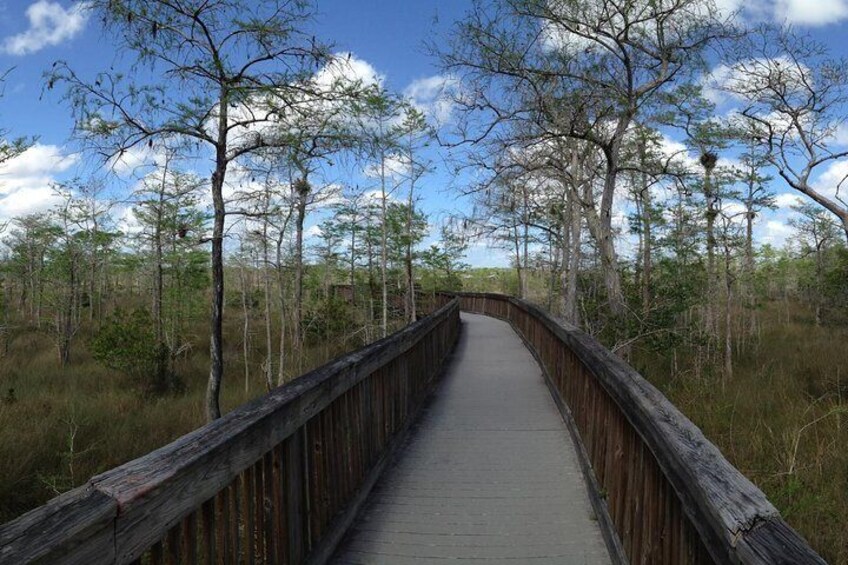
[(329, 318), (127, 343), (443, 265)]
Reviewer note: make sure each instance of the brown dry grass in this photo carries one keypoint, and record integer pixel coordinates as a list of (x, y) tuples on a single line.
[(60, 427), (781, 420)]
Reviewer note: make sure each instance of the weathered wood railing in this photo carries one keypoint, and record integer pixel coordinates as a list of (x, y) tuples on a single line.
[(666, 493), (274, 481)]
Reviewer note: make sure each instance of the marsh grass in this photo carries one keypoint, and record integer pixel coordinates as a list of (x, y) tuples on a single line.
[(60, 427), (782, 419)]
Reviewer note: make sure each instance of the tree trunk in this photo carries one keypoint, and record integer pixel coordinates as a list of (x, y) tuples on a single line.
[(647, 237), (300, 218), (369, 333), (266, 283), (216, 341), (576, 256), (281, 290), (411, 314), (603, 232), (159, 290), (572, 231), (728, 326), (383, 248), (245, 335), (518, 269), (710, 321), (353, 263)]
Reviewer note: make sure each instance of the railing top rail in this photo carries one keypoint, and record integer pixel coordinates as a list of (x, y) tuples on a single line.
[(734, 516), (152, 492)]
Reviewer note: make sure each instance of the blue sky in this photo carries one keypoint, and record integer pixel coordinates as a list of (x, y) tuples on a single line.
[(387, 35)]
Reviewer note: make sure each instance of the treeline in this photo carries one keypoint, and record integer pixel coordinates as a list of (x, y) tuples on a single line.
[(628, 156), (134, 299), (276, 112), (570, 111)]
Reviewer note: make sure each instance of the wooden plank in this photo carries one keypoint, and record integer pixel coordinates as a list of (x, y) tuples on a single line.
[(189, 539), (208, 519), (339, 525), (715, 497), (75, 527), (247, 513), (125, 511), (156, 491)]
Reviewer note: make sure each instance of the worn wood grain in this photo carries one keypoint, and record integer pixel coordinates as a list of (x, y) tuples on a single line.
[(72, 528)]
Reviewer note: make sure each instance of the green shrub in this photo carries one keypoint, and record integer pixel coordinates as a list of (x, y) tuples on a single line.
[(127, 343)]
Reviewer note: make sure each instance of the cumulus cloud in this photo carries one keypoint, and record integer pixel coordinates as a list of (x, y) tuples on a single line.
[(26, 181), (787, 200), (807, 13), (791, 12), (395, 166), (432, 96), (833, 180), (747, 79), (313, 232), (775, 233), (263, 116), (49, 24), (347, 69), (137, 160)]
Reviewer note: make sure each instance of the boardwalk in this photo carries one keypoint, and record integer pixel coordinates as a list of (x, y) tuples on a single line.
[(489, 474)]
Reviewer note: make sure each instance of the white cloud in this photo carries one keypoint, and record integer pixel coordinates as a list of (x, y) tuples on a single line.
[(810, 12), (263, 116), (833, 182), (747, 79), (678, 153), (136, 160), (49, 24), (775, 233), (395, 167), (791, 12), (840, 136), (433, 96), (347, 69), (26, 181), (787, 200), (27, 200), (313, 232), (36, 161), (126, 220)]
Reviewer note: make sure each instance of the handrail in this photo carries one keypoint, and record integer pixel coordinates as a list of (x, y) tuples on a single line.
[(666, 490), (277, 480)]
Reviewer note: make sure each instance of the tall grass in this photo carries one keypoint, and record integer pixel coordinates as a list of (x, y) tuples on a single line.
[(781, 420), (58, 427)]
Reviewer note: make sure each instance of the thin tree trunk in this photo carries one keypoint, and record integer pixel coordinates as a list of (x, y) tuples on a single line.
[(411, 314), (300, 218), (710, 315), (245, 335), (266, 282), (728, 325), (647, 237), (383, 247), (518, 269), (281, 290), (216, 340)]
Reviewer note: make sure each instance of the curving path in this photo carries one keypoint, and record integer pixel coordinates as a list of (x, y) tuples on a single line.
[(489, 474)]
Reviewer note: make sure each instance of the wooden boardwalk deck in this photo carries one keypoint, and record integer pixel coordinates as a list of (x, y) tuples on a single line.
[(488, 474)]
